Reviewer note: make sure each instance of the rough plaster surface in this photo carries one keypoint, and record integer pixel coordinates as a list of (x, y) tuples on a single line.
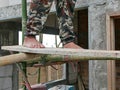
[(6, 77), (13, 9), (97, 27), (5, 71), (4, 3), (6, 83), (10, 12), (97, 40)]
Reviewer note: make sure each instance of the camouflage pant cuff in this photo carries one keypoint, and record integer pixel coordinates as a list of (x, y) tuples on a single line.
[(68, 40), (26, 34), (30, 33)]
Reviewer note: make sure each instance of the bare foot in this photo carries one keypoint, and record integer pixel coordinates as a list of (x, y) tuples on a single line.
[(31, 42), (72, 45)]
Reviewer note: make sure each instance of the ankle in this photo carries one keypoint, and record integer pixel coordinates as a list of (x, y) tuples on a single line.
[(29, 36), (72, 45), (69, 44)]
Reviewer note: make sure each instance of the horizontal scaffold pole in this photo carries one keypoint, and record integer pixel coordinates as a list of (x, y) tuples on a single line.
[(59, 55)]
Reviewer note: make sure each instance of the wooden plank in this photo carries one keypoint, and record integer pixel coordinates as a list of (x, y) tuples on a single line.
[(110, 46), (56, 55), (78, 53)]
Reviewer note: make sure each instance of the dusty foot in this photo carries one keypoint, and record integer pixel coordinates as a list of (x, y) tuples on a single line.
[(31, 42), (72, 45)]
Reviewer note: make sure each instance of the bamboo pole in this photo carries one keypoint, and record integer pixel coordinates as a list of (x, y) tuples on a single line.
[(24, 22), (24, 17), (78, 56), (14, 58)]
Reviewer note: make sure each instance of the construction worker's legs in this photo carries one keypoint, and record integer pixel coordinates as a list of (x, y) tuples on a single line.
[(65, 11), (38, 13)]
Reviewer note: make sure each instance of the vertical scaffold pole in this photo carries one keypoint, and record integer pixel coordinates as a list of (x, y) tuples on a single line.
[(24, 17), (24, 22)]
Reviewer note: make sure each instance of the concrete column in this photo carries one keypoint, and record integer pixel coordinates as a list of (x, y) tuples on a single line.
[(7, 78), (97, 40), (4, 3), (15, 2), (9, 73)]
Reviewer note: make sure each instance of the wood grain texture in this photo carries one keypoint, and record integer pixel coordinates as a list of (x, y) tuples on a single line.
[(56, 55), (78, 53)]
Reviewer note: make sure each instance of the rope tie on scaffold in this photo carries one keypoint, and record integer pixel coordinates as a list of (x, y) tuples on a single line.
[(44, 62)]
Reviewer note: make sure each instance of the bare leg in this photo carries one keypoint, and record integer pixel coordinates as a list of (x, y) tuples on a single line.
[(31, 42), (38, 12)]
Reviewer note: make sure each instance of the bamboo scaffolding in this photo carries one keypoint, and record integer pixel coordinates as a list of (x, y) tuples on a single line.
[(24, 22), (57, 55)]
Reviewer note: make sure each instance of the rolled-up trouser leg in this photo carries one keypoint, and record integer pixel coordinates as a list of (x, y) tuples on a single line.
[(65, 13), (38, 13)]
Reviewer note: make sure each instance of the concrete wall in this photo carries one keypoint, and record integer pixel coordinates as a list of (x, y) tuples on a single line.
[(8, 75), (12, 8), (97, 40), (4, 3)]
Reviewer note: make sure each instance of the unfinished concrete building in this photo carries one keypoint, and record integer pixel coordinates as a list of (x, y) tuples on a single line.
[(96, 25)]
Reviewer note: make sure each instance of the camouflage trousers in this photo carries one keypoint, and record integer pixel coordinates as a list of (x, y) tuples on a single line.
[(39, 10)]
